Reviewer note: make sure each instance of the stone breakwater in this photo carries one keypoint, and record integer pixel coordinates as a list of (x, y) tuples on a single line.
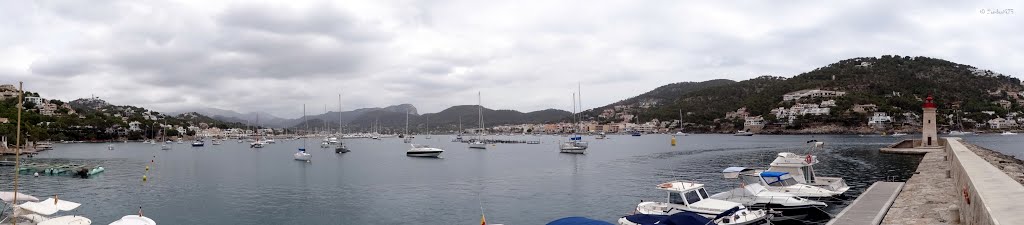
[(1008, 164)]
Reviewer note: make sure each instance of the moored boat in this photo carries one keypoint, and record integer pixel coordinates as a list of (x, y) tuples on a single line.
[(416, 150), (691, 197)]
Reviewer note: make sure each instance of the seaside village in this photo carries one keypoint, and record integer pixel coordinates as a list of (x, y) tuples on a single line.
[(788, 190)]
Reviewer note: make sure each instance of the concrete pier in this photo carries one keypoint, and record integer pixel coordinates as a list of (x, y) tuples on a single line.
[(926, 197), (871, 205), (956, 186)]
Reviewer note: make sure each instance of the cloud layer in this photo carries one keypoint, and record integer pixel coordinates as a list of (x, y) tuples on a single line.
[(524, 55)]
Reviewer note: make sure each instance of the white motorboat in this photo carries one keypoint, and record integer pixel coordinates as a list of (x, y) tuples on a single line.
[(898, 134), (743, 133), (477, 144), (301, 155), (216, 142), (753, 194), (423, 151), (691, 197), (134, 220), (333, 141), (198, 143), (256, 144), (601, 136), (802, 170), (168, 142), (680, 133), (269, 141), (1008, 133), (165, 147), (325, 144)]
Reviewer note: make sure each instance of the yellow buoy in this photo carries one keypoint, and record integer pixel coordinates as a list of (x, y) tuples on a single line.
[(143, 177), (673, 141)]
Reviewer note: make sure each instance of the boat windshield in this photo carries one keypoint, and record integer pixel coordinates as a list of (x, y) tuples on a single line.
[(780, 181), (703, 193), (692, 197), (675, 198)]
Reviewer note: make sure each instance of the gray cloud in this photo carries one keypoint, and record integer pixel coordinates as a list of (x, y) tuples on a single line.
[(527, 56)]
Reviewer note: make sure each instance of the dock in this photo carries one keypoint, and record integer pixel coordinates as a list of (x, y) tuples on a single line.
[(871, 205)]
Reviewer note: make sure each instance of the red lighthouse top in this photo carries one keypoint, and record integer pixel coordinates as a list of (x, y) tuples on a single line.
[(928, 102)]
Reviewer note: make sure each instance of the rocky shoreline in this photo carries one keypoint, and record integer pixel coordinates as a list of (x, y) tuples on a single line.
[(1008, 164)]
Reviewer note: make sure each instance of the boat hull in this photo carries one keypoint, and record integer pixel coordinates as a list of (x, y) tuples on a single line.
[(424, 153), (303, 157), (478, 145)]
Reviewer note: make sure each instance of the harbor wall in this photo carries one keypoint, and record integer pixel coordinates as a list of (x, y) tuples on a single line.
[(987, 196)]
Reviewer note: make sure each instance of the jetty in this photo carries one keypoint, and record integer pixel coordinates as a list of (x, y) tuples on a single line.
[(872, 205)]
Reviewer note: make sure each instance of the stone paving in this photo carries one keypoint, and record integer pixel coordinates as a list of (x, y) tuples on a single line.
[(927, 197)]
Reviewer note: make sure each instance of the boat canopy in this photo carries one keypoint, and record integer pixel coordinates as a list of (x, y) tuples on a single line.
[(734, 172), (302, 149), (772, 174), (49, 206), (577, 221), (8, 196), (576, 138)]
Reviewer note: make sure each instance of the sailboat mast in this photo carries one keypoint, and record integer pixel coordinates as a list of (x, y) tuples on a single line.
[(574, 124), (340, 131), (579, 98), (407, 122), (480, 111), (307, 125), (17, 143), (326, 129)]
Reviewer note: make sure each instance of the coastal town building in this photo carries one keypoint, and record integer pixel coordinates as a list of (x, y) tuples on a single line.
[(879, 119), (738, 114), (8, 91), (812, 93), (4, 120), (1002, 123), (865, 108), (37, 101), (134, 126), (1003, 103), (753, 123)]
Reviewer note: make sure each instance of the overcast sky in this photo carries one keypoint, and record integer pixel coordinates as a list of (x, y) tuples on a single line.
[(524, 55)]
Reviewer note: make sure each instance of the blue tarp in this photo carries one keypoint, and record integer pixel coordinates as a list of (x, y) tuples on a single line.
[(772, 174), (577, 221), (682, 218), (577, 138)]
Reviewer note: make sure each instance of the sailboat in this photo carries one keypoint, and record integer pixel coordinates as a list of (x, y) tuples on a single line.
[(958, 122), (163, 135), (476, 142), (406, 137), (256, 131), (428, 127), (680, 132), (341, 145), (575, 145), (301, 155)]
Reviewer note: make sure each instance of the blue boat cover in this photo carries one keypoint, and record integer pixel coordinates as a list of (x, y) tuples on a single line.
[(577, 221), (729, 212), (302, 149), (577, 138), (682, 218), (772, 174)]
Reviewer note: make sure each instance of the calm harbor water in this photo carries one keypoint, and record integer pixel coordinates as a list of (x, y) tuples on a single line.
[(377, 184)]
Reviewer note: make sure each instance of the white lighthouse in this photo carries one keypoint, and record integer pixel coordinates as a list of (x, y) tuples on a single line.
[(928, 132)]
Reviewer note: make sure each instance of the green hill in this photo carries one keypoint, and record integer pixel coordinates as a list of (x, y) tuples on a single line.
[(895, 84)]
